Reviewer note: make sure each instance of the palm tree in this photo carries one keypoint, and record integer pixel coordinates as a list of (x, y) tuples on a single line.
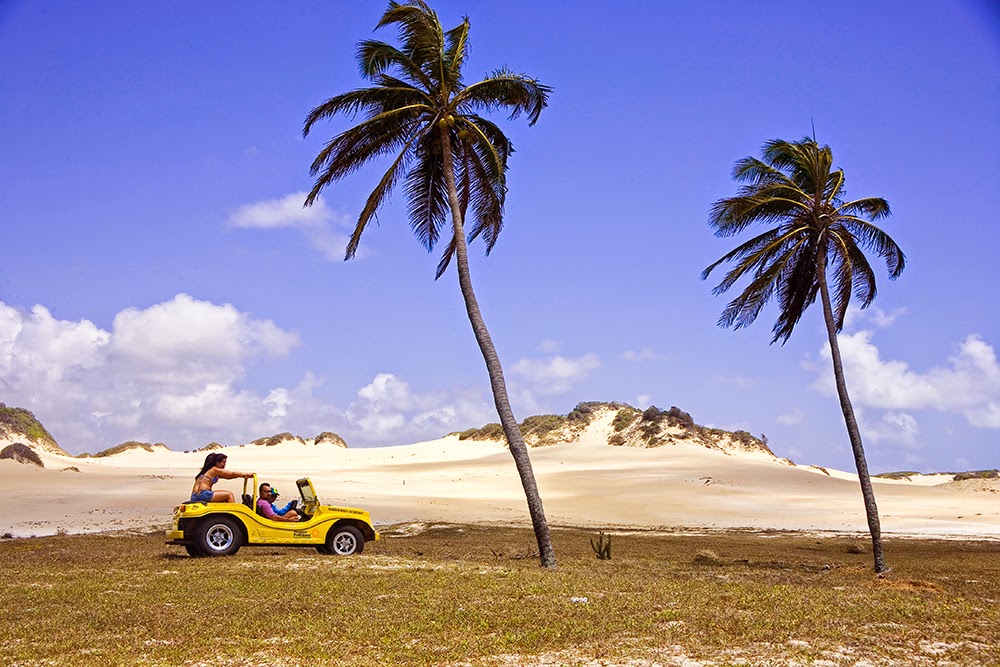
[(449, 158), (814, 241)]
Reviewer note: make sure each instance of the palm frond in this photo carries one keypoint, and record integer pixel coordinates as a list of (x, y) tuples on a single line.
[(731, 216), (376, 58), (351, 149), (426, 195), (445, 260), (421, 35), (373, 101), (756, 171), (797, 290), (373, 202), (503, 89), (872, 208), (456, 41)]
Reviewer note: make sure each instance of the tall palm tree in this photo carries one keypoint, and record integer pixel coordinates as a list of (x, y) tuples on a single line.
[(449, 158), (814, 241)]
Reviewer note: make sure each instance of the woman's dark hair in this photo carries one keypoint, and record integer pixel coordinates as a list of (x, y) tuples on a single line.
[(210, 462)]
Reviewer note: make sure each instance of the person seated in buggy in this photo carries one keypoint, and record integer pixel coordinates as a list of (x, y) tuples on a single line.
[(266, 507)]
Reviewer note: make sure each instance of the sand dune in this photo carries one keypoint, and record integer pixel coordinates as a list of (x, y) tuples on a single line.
[(583, 482)]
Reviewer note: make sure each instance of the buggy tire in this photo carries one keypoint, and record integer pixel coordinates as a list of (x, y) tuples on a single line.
[(218, 536), (193, 551), (344, 541)]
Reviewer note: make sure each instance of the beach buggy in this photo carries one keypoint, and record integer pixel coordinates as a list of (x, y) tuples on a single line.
[(220, 529)]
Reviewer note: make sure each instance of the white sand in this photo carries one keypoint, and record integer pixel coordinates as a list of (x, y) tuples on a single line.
[(584, 483)]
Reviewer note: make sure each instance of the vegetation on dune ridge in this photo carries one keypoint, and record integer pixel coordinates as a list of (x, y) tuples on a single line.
[(277, 440), (18, 422), (326, 437), (331, 438), (629, 427), (956, 476), (126, 447)]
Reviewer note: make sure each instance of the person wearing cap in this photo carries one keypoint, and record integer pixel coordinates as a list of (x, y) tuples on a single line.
[(265, 506)]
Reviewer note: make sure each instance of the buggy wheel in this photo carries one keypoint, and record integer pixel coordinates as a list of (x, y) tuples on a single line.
[(218, 536), (345, 541), (193, 551)]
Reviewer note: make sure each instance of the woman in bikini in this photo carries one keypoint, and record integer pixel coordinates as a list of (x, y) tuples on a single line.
[(214, 468)]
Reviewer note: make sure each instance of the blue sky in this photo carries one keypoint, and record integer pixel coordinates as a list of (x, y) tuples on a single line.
[(160, 281)]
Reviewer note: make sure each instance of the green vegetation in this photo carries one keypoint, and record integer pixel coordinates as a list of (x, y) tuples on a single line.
[(489, 432), (276, 439), (977, 474), (543, 429), (21, 453), (23, 422), (473, 595), (331, 437), (126, 446), (902, 474), (626, 417), (601, 546)]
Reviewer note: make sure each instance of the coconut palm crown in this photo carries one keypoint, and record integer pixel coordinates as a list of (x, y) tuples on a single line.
[(418, 93), (451, 161), (813, 233)]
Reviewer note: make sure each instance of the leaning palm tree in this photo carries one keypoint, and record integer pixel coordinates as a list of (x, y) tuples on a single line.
[(450, 159), (814, 242)]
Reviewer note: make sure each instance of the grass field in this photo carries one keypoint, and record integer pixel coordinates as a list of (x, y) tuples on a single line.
[(472, 595)]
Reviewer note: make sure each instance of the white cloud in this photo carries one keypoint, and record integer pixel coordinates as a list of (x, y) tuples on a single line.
[(548, 346), (874, 316), (795, 417), (175, 372), (321, 225), (739, 381), (899, 428), (557, 374), (171, 371), (388, 411), (967, 384), (645, 354), (643, 401)]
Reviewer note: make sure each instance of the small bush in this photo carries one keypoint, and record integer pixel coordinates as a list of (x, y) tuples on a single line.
[(855, 548), (625, 418), (707, 557), (21, 453)]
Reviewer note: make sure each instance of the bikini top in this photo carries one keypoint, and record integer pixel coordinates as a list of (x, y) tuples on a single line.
[(213, 480)]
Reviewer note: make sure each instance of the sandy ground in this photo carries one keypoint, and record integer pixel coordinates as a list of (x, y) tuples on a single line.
[(585, 483)]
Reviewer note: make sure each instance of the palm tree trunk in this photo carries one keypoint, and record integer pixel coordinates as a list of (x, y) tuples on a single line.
[(853, 432), (515, 440)]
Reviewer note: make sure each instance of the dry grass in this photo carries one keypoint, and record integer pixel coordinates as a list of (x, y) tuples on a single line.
[(476, 596)]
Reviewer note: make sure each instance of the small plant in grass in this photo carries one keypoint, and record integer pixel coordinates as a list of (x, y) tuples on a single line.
[(855, 548), (707, 557), (602, 547)]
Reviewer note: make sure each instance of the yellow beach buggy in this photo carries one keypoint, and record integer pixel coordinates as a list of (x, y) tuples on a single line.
[(220, 529)]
